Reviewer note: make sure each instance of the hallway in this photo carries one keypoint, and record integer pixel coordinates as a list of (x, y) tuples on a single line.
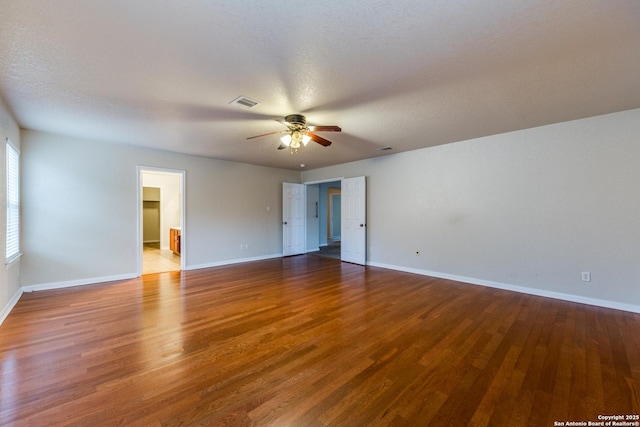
[(331, 250)]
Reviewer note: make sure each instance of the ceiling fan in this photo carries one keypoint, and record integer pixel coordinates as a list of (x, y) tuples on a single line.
[(298, 134)]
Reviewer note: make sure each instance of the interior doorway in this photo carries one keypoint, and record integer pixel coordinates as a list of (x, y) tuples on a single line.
[(161, 243), (324, 218), (350, 242), (151, 210)]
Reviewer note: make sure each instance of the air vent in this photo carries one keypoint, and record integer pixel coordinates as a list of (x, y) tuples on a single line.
[(387, 148), (244, 102)]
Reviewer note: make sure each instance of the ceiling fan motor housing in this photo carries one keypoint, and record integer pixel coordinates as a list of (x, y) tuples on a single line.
[(296, 119)]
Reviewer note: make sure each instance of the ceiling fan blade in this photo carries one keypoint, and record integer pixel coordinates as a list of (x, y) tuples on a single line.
[(282, 147), (325, 129), (320, 140), (267, 134)]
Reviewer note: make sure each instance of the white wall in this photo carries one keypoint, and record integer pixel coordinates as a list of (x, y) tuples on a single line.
[(73, 234), (9, 277), (527, 210)]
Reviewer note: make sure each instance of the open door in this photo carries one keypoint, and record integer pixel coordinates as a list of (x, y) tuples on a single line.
[(354, 220), (293, 218)]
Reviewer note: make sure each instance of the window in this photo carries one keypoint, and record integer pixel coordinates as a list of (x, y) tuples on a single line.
[(13, 202)]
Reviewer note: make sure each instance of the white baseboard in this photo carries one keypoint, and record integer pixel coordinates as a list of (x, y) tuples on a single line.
[(313, 250), (80, 282), (9, 306), (232, 261), (515, 288)]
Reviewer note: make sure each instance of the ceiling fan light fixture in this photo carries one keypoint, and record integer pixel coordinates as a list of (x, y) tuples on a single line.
[(286, 140), (295, 138), (298, 134)]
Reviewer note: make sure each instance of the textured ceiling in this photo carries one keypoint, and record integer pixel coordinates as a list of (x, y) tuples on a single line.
[(408, 74)]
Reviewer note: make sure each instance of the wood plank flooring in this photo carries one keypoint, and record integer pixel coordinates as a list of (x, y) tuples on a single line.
[(311, 341)]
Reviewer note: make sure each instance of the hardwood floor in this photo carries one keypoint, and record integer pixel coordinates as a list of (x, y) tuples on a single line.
[(310, 341)]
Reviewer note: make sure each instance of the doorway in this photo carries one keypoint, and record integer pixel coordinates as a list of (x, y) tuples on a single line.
[(324, 218), (160, 242), (353, 215)]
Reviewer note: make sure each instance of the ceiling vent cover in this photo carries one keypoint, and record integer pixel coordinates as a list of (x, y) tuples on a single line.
[(244, 102)]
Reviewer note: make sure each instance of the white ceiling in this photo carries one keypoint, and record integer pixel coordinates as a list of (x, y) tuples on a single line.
[(408, 74)]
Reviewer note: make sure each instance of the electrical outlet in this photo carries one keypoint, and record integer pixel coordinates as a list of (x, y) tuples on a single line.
[(586, 276)]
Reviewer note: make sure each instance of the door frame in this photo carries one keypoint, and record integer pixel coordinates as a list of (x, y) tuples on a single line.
[(321, 181), (140, 169)]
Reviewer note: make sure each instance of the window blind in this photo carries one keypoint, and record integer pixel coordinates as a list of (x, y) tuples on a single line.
[(13, 202)]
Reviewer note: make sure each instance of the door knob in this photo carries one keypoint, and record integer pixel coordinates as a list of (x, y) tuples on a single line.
[(361, 225), (285, 223)]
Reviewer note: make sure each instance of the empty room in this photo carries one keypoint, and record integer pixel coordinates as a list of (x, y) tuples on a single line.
[(278, 213)]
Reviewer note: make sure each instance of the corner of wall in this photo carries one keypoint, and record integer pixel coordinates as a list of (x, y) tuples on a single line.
[(10, 291), (4, 312)]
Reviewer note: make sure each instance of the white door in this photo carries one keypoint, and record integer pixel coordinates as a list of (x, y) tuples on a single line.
[(293, 231), (354, 225)]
